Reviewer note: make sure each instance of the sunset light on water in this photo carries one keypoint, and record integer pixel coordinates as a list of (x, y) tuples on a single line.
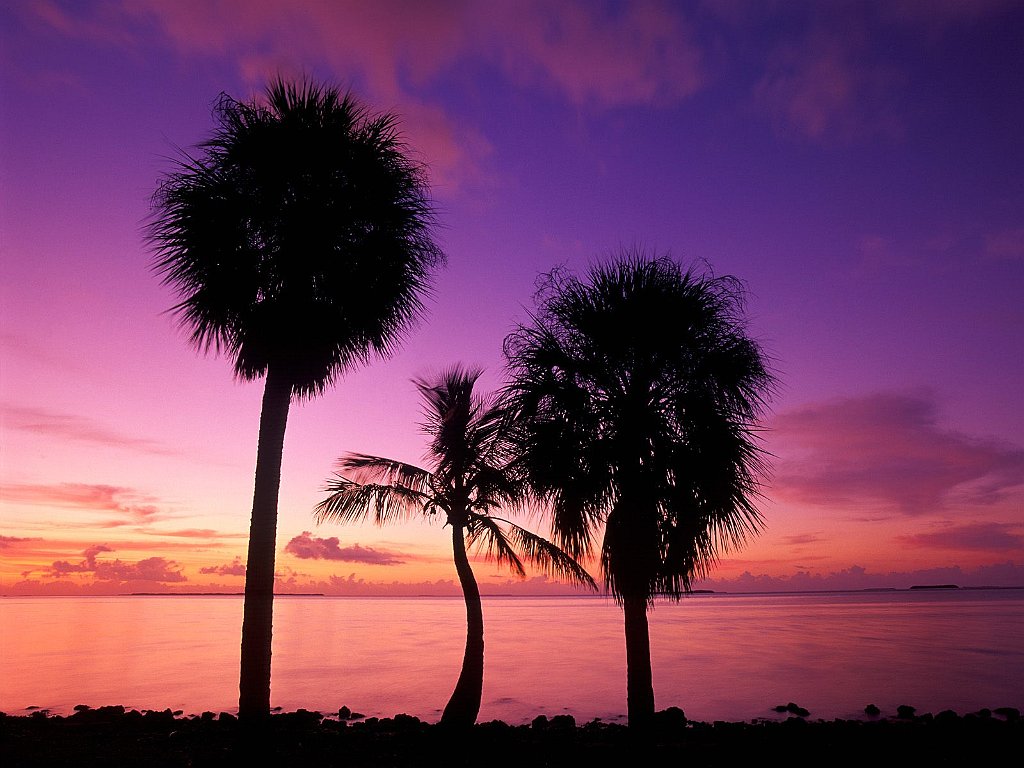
[(718, 658)]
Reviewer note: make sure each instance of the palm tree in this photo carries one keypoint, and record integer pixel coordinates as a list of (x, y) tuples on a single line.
[(639, 393), (471, 480), (297, 238)]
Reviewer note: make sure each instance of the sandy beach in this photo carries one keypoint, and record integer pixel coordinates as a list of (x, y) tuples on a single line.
[(113, 736)]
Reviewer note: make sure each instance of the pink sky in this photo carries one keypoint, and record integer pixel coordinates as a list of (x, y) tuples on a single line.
[(858, 165)]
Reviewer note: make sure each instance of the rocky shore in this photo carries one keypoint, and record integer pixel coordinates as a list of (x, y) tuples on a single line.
[(111, 736)]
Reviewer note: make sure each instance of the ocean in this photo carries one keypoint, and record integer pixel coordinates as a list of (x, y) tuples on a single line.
[(717, 657)]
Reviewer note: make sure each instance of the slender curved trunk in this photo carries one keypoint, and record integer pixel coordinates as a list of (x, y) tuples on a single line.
[(464, 705), (639, 683), (257, 622)]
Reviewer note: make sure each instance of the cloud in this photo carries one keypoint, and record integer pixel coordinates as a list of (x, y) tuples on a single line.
[(826, 85), (61, 567), (855, 577), (66, 427), (309, 547), (235, 568), (589, 54), (936, 16), (637, 53), (986, 537), (155, 569), (12, 541), (196, 533), (886, 451), (641, 53), (803, 538), (839, 70), (134, 506), (1006, 244)]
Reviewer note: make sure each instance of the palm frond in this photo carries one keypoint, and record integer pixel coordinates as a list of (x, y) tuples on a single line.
[(550, 558), (350, 502), (484, 532), (388, 471)]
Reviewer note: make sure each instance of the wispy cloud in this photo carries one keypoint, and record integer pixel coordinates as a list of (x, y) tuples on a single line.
[(1005, 244), (803, 538), (641, 53), (591, 55), (983, 537), (194, 533), (937, 16), (886, 451), (235, 568), (824, 86), (13, 541), (132, 506), (66, 426), (309, 547)]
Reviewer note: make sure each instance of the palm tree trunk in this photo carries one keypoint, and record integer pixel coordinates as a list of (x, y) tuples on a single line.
[(257, 623), (639, 683), (464, 705)]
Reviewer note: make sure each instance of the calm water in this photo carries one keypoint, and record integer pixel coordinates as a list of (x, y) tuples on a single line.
[(716, 657)]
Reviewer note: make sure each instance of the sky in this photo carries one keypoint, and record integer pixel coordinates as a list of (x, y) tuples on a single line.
[(858, 165)]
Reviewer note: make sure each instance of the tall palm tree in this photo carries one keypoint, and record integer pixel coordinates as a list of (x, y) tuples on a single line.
[(470, 482), (298, 239), (639, 393)]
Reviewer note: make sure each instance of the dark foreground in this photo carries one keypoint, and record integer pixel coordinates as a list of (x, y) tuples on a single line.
[(109, 736)]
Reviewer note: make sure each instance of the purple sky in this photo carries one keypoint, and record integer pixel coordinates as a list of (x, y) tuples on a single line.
[(859, 165)]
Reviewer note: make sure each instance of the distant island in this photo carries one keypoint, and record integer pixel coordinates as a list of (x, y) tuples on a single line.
[(935, 586), (221, 594)]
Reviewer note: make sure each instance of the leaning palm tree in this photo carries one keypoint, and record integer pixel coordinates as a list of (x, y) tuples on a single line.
[(297, 238), (470, 482), (639, 393)]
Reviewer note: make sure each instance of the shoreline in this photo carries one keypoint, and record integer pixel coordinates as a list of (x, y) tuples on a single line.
[(455, 595), (115, 736)]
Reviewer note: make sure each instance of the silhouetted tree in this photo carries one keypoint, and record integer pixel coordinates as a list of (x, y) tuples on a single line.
[(298, 240), (470, 481), (639, 392)]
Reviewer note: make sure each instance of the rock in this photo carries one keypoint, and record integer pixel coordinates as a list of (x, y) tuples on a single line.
[(539, 723), (492, 727), (872, 711), (563, 722), (670, 718), (300, 718), (797, 710), (158, 717), (793, 709), (404, 721)]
